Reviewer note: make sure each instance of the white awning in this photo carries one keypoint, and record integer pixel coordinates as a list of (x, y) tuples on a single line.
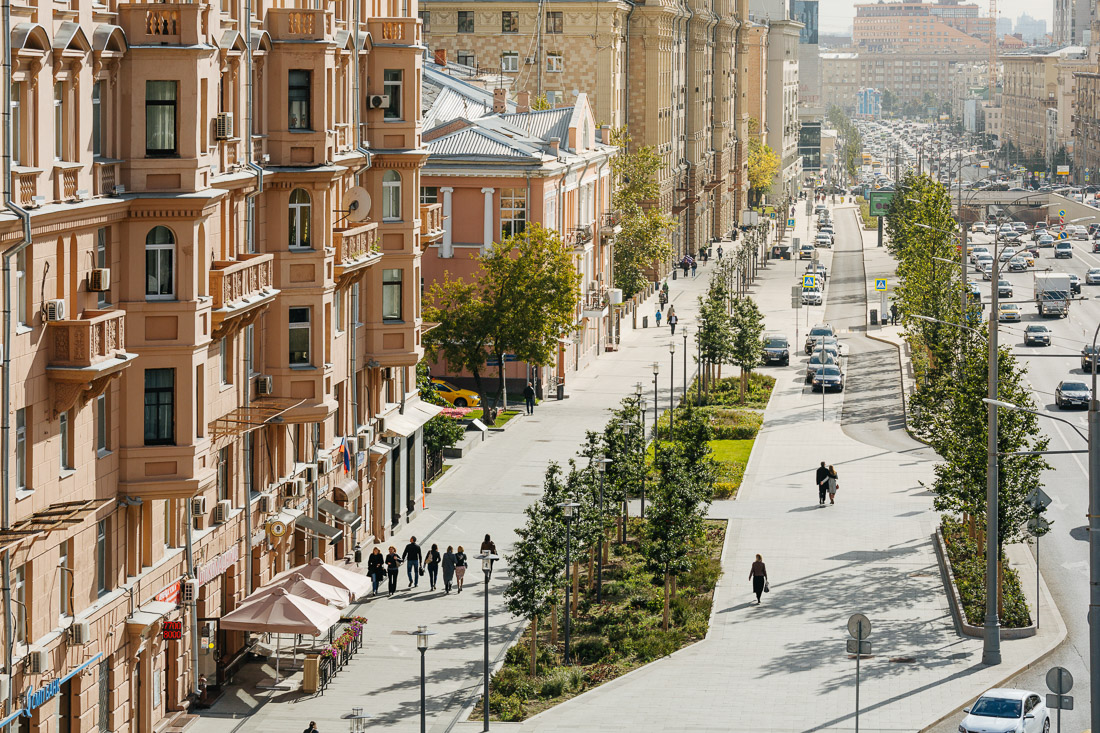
[(417, 412), (148, 614)]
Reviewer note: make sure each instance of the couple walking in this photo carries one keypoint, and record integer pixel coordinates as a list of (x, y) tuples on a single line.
[(826, 484)]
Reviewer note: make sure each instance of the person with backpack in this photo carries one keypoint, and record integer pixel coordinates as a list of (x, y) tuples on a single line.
[(658, 317)]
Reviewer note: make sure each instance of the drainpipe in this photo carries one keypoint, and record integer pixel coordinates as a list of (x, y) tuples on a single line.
[(359, 146), (5, 393), (194, 607)]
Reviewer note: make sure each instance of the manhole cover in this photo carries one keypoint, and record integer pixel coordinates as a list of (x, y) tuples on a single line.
[(903, 660)]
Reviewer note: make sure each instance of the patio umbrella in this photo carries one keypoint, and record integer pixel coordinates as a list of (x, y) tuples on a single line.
[(298, 585), (279, 612), (354, 583)]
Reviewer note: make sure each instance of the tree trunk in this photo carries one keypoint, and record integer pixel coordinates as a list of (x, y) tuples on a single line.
[(486, 413), (554, 624), (606, 552), (576, 585), (534, 645), (673, 586), (591, 568), (742, 385), (664, 621), (502, 391)]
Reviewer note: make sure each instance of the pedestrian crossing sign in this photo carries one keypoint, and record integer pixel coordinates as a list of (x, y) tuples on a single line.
[(809, 281), (880, 284)]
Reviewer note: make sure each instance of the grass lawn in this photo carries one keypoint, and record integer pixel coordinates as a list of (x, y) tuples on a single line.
[(610, 639), (502, 417), (732, 457)]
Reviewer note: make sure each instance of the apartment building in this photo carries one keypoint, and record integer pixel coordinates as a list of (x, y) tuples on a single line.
[(665, 70), (1073, 21), (840, 80), (945, 25), (782, 105), (190, 234), (1035, 83), (1086, 126)]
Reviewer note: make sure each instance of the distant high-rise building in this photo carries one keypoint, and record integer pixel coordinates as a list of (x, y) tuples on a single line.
[(1004, 27), (925, 26), (1032, 30), (1073, 21)]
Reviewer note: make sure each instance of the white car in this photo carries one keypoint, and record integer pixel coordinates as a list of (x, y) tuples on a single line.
[(823, 240), (1007, 711), (976, 252), (978, 228)]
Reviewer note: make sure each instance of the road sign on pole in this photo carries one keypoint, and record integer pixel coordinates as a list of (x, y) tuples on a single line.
[(880, 284), (1060, 682), (1038, 500), (860, 628)]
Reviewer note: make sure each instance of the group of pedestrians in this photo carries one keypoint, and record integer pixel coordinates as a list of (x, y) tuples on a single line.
[(672, 319), (688, 263), (418, 561)]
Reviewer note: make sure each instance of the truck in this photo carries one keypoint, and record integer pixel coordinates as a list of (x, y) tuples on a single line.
[(1052, 294)]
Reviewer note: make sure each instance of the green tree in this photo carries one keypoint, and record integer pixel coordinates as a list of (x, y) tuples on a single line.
[(643, 240), (746, 345), (763, 167), (441, 431), (624, 444), (540, 103), (462, 337), (715, 332)]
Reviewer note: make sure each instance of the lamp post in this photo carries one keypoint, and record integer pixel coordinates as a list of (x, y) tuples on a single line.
[(487, 558), (684, 397), (567, 508), (358, 720), (601, 464), (422, 635), (656, 401), (641, 424), (671, 384)]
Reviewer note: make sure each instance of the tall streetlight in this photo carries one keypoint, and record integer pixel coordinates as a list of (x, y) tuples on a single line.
[(671, 384), (487, 558), (567, 508), (684, 396), (601, 464), (422, 635), (641, 424), (656, 403)]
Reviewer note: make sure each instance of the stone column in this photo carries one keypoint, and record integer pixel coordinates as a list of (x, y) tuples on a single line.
[(446, 249), (487, 236)]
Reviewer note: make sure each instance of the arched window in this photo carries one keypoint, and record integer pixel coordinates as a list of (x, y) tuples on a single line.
[(391, 196), (160, 264), (299, 218)]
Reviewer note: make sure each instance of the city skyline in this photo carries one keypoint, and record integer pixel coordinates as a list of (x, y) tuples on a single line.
[(836, 15)]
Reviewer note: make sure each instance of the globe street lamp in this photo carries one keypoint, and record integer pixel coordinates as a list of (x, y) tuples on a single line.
[(641, 449), (656, 401), (487, 559), (601, 464), (422, 635), (567, 508), (683, 397), (671, 385)]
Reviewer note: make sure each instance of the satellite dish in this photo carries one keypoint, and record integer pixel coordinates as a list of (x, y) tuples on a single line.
[(357, 203)]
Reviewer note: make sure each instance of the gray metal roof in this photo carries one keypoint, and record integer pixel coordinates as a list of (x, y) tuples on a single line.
[(544, 124), (444, 98), (478, 142)]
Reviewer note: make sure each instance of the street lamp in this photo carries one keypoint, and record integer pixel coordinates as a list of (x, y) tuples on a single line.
[(567, 508), (358, 720), (671, 384), (641, 424), (656, 402), (684, 396), (422, 635), (487, 558), (601, 464)]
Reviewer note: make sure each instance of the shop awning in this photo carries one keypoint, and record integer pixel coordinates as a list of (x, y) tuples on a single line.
[(340, 514), (317, 527), (151, 612), (297, 584), (350, 489), (417, 412), (317, 569), (279, 612), (258, 413)]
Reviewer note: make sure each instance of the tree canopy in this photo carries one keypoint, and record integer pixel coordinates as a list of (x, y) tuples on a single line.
[(643, 240)]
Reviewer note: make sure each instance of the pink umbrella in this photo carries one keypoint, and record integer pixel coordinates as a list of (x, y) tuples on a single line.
[(298, 585), (354, 583)]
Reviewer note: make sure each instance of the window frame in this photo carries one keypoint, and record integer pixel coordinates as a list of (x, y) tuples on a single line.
[(19, 588), (338, 296), (509, 21), (173, 104), (101, 260), (102, 425), (59, 136), (299, 210), (555, 63), (513, 211), (425, 20), (513, 66), (555, 22), (470, 22), (65, 434), (97, 118), (225, 361), (22, 317), (64, 573), (297, 93), (466, 58), (161, 248), (300, 325), (392, 293), (222, 482), (390, 198), (392, 82), (102, 570), (22, 449), (249, 339), (16, 122), (165, 402), (429, 195)]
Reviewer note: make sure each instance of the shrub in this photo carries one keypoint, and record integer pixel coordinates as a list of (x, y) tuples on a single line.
[(511, 681), (555, 684), (968, 564), (512, 709), (727, 423), (590, 651), (727, 391), (656, 644)]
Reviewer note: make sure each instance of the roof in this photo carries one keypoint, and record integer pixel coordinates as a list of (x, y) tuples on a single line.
[(544, 124), (444, 98)]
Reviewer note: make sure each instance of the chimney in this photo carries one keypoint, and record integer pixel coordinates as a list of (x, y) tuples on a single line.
[(441, 56), (523, 102), (554, 144), (605, 134), (500, 101)]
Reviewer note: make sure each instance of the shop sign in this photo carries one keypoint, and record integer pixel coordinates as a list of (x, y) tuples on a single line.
[(171, 594), (41, 696), (218, 565)]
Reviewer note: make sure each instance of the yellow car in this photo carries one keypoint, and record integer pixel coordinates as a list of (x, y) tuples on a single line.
[(1009, 312), (454, 395)]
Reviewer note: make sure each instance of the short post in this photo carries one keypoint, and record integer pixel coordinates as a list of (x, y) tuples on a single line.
[(487, 558)]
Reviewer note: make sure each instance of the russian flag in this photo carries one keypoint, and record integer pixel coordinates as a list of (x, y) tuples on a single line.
[(346, 453)]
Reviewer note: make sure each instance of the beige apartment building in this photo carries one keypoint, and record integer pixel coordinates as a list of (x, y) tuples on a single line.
[(944, 25), (840, 79), (212, 333), (1039, 89), (782, 104), (665, 70)]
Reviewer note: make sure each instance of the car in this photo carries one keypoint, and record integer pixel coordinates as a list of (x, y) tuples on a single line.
[(1017, 264), (1008, 253), (812, 296), (823, 240), (834, 344), (1074, 284), (1019, 226), (1096, 245), (1015, 711), (1004, 289), (1045, 240), (777, 349), (820, 330), (1036, 334), (819, 360), (1071, 394), (819, 208), (1063, 250), (1081, 233), (978, 228), (975, 251), (828, 377), (827, 231), (1007, 312), (1092, 277), (987, 269), (456, 396), (1088, 357), (806, 252)]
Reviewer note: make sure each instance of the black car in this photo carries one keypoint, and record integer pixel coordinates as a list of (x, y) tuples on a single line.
[(1004, 289), (1036, 334), (828, 377), (1071, 394), (777, 350), (1074, 284), (1088, 357)]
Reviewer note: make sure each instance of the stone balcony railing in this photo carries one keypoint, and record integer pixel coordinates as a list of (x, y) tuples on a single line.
[(355, 246), (106, 175), (161, 24), (84, 342), (431, 221), (233, 280), (298, 24), (26, 187), (395, 31)]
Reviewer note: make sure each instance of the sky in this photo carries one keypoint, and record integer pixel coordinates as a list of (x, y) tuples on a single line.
[(836, 15)]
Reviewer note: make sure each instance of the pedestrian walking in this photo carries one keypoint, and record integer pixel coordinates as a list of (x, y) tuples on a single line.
[(832, 484), (663, 297), (694, 264), (448, 568), (376, 565), (489, 546), (460, 567), (672, 321), (312, 728), (894, 313), (529, 398), (432, 562), (719, 253), (658, 317), (685, 265), (759, 576), (822, 483), (412, 556), (393, 564)]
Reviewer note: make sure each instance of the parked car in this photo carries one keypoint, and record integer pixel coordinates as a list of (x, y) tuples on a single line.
[(823, 240), (777, 350), (1004, 289), (828, 377), (1009, 312), (1018, 711), (806, 252), (1092, 277), (1071, 394), (455, 395), (1036, 334), (817, 360), (1063, 250), (818, 331), (812, 296)]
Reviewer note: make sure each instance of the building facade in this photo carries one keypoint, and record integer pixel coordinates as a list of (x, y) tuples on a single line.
[(782, 106), (1073, 21), (945, 25), (840, 79), (1033, 84), (189, 233), (1086, 126)]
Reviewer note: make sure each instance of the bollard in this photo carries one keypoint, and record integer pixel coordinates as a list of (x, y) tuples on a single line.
[(874, 316), (645, 321)]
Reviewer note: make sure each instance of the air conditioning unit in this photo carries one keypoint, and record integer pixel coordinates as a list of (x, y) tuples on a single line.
[(99, 280), (296, 487), (324, 464), (5, 685), (80, 632), (38, 661), (223, 127), (267, 503), (189, 591), (362, 443), (310, 473), (529, 60), (55, 310), (221, 511), (378, 101), (265, 385), (198, 506)]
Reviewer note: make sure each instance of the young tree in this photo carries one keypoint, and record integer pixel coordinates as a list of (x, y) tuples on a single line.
[(715, 332), (747, 345), (643, 241), (462, 337), (624, 444), (441, 431), (763, 163)]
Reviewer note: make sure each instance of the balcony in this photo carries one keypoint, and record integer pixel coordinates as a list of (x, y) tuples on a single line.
[(581, 235), (241, 287), (394, 31), (298, 24), (84, 354), (356, 248), (431, 223), (594, 304), (161, 24), (26, 187), (610, 224), (106, 174)]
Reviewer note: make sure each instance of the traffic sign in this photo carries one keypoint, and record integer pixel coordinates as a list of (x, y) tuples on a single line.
[(1060, 702), (855, 646), (1038, 526), (1061, 212), (1063, 235), (790, 222), (880, 284), (1059, 680), (858, 626), (809, 281), (1038, 499)]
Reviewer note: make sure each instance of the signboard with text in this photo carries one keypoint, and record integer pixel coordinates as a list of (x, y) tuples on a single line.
[(880, 202)]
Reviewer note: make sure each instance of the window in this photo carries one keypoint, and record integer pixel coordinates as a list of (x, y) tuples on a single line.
[(101, 581), (391, 86), (65, 434), (555, 62), (298, 96), (97, 119), (223, 473), (467, 58), (249, 339), (16, 122), (429, 194), (225, 360), (509, 61), (509, 21), (167, 538), (21, 448), (160, 118), (59, 120), (101, 444), (21, 287), (426, 20), (19, 583), (391, 196), (299, 336), (465, 22), (554, 98), (554, 21), (160, 250), (101, 259), (391, 295), (338, 306), (300, 205), (64, 580), (247, 450), (160, 406), (513, 211)]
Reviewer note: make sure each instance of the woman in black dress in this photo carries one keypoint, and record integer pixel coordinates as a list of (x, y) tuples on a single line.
[(448, 568), (759, 576), (393, 564), (432, 561)]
